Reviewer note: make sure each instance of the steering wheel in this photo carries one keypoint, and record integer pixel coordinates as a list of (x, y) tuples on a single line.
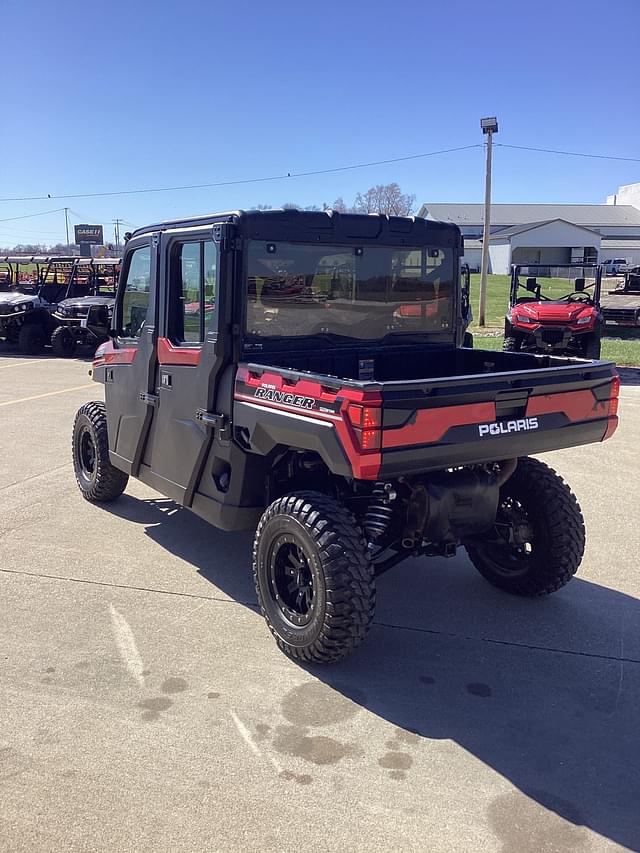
[(581, 297)]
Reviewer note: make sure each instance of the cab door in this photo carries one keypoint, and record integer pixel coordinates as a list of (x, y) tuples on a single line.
[(131, 365), (188, 364)]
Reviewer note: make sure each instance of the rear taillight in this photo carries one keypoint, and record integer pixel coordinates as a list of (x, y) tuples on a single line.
[(612, 412), (367, 425), (366, 417)]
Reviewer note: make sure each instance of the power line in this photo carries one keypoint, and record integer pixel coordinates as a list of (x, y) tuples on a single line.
[(31, 215), (569, 153), (289, 175), (284, 176)]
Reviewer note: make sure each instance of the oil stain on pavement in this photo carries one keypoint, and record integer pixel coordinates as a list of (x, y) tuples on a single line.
[(524, 825), (152, 708)]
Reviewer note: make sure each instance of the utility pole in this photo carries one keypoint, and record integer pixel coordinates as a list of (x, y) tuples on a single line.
[(66, 222), (489, 127), (116, 231)]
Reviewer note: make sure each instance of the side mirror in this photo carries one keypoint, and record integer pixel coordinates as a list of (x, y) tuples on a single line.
[(532, 285), (579, 285), (113, 333)]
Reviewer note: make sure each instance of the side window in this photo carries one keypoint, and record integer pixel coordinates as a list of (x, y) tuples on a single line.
[(193, 276), (135, 302), (190, 293)]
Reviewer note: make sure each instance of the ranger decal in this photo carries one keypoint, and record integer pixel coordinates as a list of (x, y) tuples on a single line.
[(274, 396)]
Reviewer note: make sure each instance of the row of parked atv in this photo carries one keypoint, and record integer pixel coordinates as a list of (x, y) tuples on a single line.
[(68, 302), (62, 302)]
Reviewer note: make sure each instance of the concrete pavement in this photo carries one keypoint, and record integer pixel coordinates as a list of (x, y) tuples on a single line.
[(144, 705)]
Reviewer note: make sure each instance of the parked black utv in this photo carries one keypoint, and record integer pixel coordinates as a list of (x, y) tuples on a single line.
[(86, 319), (303, 375), (27, 310)]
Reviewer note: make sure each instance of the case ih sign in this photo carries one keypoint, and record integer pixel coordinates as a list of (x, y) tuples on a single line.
[(91, 234)]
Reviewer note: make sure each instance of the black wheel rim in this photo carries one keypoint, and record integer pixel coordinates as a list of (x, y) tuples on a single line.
[(291, 581), (513, 550), (87, 453)]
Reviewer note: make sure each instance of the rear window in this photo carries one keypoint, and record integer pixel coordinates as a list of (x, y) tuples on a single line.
[(367, 292)]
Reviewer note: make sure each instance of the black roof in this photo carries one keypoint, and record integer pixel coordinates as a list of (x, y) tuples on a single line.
[(322, 226)]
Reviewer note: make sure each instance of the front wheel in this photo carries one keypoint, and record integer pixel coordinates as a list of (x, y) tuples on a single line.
[(32, 338), (97, 478), (63, 342), (511, 344), (538, 540), (313, 576)]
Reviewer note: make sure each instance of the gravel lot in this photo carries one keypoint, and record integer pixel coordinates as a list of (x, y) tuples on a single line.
[(145, 707)]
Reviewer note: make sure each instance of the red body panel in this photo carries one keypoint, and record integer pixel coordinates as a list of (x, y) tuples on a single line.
[(169, 353), (430, 425), (576, 405), (108, 354), (554, 314), (331, 406)]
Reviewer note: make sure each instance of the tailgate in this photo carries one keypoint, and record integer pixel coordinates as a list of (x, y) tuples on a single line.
[(370, 430), (431, 425)]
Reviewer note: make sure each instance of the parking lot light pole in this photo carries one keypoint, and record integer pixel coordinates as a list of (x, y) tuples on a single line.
[(489, 127)]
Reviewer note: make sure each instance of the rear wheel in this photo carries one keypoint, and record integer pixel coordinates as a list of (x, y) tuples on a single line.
[(97, 478), (511, 344), (31, 339), (539, 536), (313, 577), (63, 342)]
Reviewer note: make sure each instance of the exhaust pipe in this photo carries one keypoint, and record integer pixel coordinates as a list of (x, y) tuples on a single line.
[(507, 468)]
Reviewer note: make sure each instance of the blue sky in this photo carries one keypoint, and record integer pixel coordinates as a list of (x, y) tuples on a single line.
[(101, 97)]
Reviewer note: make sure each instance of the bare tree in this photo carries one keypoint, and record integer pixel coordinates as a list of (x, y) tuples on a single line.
[(291, 205), (385, 198)]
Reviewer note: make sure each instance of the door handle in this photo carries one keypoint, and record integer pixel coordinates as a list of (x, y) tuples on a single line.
[(166, 380)]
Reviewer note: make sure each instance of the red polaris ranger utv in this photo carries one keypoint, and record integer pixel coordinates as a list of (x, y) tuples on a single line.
[(264, 371), (556, 310)]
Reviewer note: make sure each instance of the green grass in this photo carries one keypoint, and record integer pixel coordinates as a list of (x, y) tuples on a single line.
[(621, 346), (625, 351)]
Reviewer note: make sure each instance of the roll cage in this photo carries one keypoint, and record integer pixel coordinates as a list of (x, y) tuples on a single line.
[(533, 288)]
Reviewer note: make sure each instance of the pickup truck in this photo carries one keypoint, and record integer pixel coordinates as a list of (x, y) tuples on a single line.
[(303, 373)]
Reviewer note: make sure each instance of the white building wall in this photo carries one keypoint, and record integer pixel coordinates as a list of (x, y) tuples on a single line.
[(556, 234), (632, 256), (473, 257), (627, 194), (500, 257)]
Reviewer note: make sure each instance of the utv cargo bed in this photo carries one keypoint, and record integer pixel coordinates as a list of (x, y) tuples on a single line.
[(388, 428)]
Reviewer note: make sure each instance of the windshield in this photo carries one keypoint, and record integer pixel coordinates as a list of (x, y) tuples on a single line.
[(556, 284), (296, 290)]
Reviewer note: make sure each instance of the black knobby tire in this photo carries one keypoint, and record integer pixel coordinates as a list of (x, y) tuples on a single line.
[(31, 338), (63, 342), (538, 497), (320, 540), (592, 347), (97, 478), (511, 344)]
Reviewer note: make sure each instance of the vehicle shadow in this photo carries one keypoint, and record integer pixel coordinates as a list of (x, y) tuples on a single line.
[(545, 692), (83, 353), (629, 375)]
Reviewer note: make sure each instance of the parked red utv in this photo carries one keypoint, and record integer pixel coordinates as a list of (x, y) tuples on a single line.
[(550, 311)]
